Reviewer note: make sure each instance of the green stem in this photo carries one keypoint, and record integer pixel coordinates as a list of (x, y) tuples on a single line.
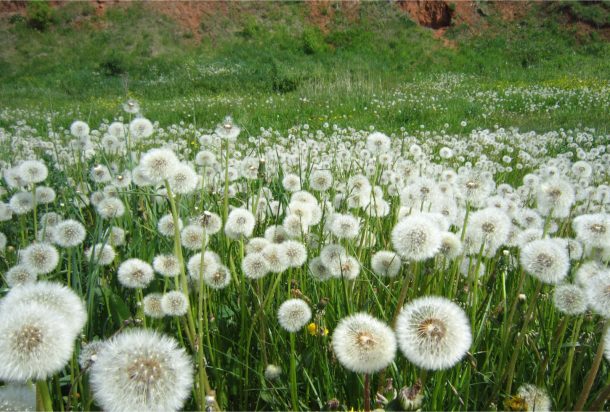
[(367, 392), (293, 373), (520, 338), (593, 371), (43, 397)]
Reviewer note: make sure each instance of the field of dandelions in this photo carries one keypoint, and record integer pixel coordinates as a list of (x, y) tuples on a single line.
[(208, 268)]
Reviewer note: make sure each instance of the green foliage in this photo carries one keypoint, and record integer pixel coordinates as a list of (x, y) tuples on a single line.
[(114, 64), (338, 74), (39, 15), (313, 41), (251, 27)]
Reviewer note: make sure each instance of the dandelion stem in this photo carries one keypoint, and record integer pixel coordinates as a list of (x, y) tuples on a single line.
[(293, 373), (43, 397), (403, 293), (367, 392), (520, 338), (593, 371), (598, 403)]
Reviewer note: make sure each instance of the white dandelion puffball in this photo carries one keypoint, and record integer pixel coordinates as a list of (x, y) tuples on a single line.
[(386, 263), (570, 299), (318, 270), (364, 344), (593, 230), (33, 171), (321, 180), (140, 127), (255, 266), (295, 252), (451, 245), (597, 290), (433, 332), (21, 203), (211, 222), (378, 143), (100, 254), (536, 399), (240, 223), (69, 233), (276, 257), (35, 342), (345, 226), (416, 238), (182, 179), (88, 353), (41, 258), (19, 275), (79, 129), (54, 296), (152, 305), (293, 314), (292, 183), (18, 397), (219, 278), (158, 164), (193, 237), (555, 197), (545, 259), (174, 303), (166, 265), (166, 225), (135, 273), (197, 266), (272, 372), (110, 207), (141, 370), (131, 106), (256, 245)]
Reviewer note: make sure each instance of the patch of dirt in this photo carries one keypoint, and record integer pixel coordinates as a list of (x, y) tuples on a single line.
[(512, 10), (12, 7), (321, 13), (189, 14), (440, 35), (429, 13)]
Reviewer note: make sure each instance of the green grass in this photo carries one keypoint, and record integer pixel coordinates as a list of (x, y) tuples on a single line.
[(86, 65)]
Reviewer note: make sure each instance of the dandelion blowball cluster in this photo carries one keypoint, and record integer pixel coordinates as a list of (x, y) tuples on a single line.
[(333, 215)]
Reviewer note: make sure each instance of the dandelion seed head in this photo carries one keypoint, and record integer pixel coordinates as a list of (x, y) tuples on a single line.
[(141, 370), (433, 332), (152, 305), (35, 342), (174, 303), (135, 273), (41, 258), (293, 314), (364, 344)]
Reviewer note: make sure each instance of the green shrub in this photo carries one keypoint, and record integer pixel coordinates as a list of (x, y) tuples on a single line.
[(113, 65), (251, 28), (313, 41), (39, 15)]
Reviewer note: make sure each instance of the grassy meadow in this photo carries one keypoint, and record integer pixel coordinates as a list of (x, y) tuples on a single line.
[(269, 213)]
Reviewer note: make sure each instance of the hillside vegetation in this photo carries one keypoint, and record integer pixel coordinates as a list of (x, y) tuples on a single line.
[(274, 64)]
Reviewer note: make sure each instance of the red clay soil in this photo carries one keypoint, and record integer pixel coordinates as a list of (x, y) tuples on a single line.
[(429, 13)]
